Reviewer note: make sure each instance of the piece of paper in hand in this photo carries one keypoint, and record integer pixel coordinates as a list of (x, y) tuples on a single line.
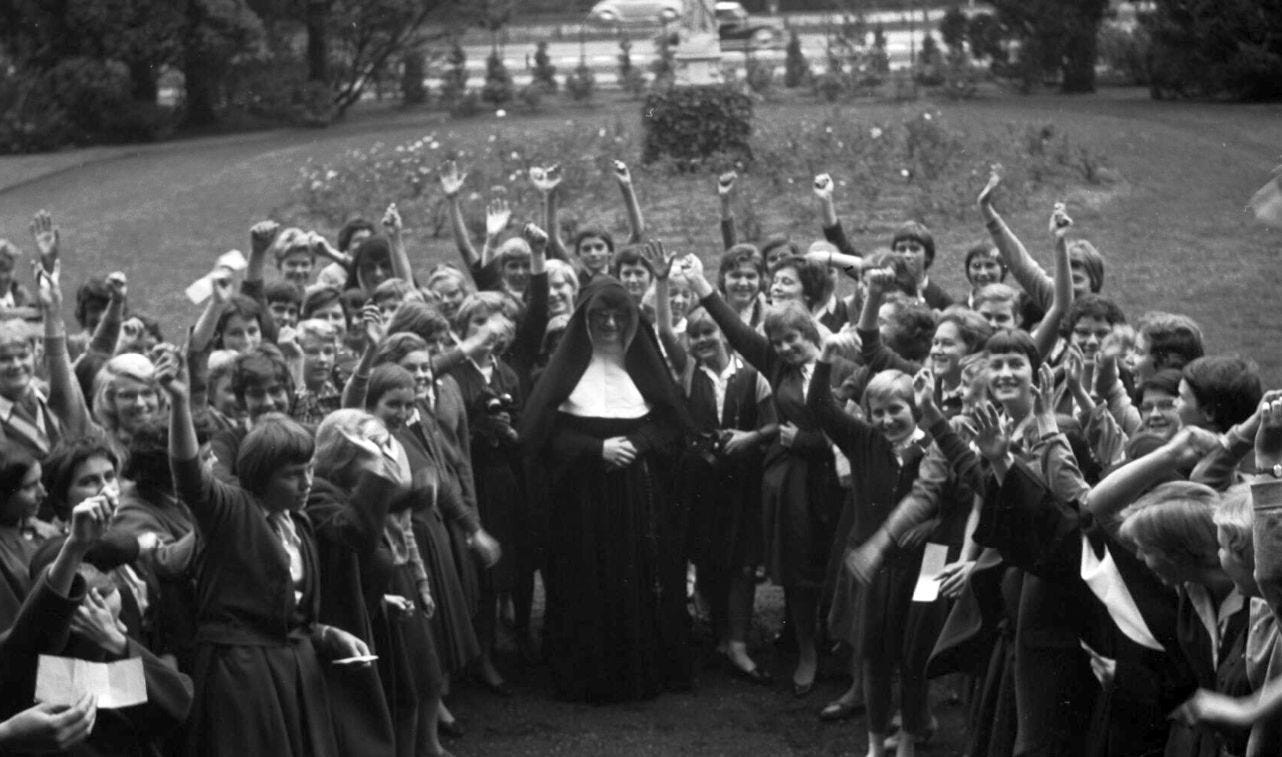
[(1266, 203), (203, 288), (932, 562), (65, 680)]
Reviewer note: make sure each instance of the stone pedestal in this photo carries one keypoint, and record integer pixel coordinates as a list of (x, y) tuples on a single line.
[(698, 59)]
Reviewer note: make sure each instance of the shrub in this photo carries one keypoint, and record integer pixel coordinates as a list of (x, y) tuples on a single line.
[(760, 75), (454, 80), (693, 124), (986, 38), (413, 91), (930, 63), (631, 80), (952, 28), (581, 83), (465, 105), (498, 89), (544, 70), (796, 69), (830, 85), (531, 95)]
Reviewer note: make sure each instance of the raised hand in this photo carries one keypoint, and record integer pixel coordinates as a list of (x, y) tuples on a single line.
[(546, 180), (170, 375), (392, 221), (994, 180), (924, 390), (659, 259), (118, 286), (991, 436), (823, 187), (1191, 444), (451, 178), (261, 236), (222, 288), (373, 326), (726, 184), (534, 236), (1060, 222), (880, 280), (1268, 438), (1044, 393), (89, 519), (287, 341), (132, 332), (48, 286), (841, 342), (497, 215), (621, 173), (46, 237)]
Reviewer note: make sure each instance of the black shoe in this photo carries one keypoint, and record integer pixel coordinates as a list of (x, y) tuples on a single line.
[(839, 710), (755, 676), (451, 729)]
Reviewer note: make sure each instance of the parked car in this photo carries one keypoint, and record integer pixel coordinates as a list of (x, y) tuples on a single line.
[(635, 13), (739, 31)]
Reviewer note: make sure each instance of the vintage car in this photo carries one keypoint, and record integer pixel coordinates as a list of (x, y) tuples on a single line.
[(738, 31)]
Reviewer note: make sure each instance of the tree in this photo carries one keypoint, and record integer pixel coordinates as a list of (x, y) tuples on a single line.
[(1056, 35), (369, 34), (454, 81), (1224, 48), (498, 88), (796, 69), (952, 28), (544, 70)]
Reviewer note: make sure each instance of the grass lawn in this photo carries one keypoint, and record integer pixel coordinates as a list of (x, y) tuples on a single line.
[(1172, 230)]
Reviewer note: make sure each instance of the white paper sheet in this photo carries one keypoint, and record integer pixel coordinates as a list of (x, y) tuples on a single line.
[(65, 680), (932, 562)]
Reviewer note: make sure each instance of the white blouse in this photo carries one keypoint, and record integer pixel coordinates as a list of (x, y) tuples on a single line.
[(605, 390)]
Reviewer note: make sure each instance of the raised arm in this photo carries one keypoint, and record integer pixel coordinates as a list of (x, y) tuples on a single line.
[(852, 435), (206, 328), (395, 230), (261, 237), (65, 398), (1124, 485), (106, 335), (635, 222), (1022, 266), (725, 198), (547, 181), (524, 350), (872, 351), (358, 382), (832, 228), (47, 239), (451, 183), (1047, 331), (661, 264), (1266, 495), (497, 215), (754, 347)]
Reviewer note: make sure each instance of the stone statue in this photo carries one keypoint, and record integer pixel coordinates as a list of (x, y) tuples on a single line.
[(700, 16)]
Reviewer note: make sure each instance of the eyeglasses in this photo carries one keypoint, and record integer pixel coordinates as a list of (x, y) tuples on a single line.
[(1149, 407)]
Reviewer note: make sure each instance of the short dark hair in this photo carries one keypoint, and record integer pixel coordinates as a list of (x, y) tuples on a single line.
[(987, 250), (816, 284), (321, 298), (258, 366), (738, 255), (93, 294), (248, 309), (15, 464), (790, 315), (60, 469), (1091, 306), (1015, 342), (275, 441), (1173, 340), (350, 229), (386, 378), (371, 250), (630, 255), (776, 242), (917, 232), (588, 232), (282, 291), (912, 329), (971, 326), (394, 348), (1166, 380), (1227, 387), (418, 318)]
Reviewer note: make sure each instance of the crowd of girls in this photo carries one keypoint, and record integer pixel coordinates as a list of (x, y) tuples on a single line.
[(309, 514)]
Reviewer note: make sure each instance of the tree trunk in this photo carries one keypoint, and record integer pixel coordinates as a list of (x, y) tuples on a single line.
[(317, 21), (1078, 67), (144, 81)]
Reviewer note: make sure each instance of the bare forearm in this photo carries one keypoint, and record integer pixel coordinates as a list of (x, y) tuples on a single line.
[(635, 220), (458, 227)]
